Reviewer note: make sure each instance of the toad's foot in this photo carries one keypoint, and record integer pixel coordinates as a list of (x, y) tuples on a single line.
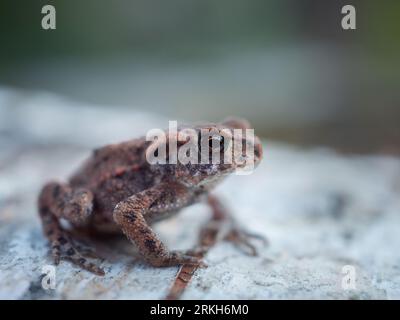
[(218, 230), (242, 240), (64, 248), (224, 227)]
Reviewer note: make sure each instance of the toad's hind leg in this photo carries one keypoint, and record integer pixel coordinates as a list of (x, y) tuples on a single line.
[(75, 205)]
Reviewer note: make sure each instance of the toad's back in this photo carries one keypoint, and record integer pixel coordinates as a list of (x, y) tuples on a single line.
[(113, 173)]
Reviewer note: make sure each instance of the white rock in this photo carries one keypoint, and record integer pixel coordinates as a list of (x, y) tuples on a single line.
[(320, 210)]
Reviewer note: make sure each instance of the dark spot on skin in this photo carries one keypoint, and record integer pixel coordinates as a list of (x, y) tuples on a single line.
[(75, 208), (56, 191), (44, 209), (88, 211), (70, 252), (150, 244), (131, 217), (62, 240)]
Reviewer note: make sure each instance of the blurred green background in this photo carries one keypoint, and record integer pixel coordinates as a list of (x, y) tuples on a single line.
[(286, 65)]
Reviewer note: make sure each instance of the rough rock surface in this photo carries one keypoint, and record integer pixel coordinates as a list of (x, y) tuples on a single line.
[(320, 210)]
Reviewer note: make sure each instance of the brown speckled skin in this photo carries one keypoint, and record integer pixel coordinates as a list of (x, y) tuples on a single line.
[(118, 190)]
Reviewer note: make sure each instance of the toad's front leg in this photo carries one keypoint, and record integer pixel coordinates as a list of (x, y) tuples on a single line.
[(130, 217)]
